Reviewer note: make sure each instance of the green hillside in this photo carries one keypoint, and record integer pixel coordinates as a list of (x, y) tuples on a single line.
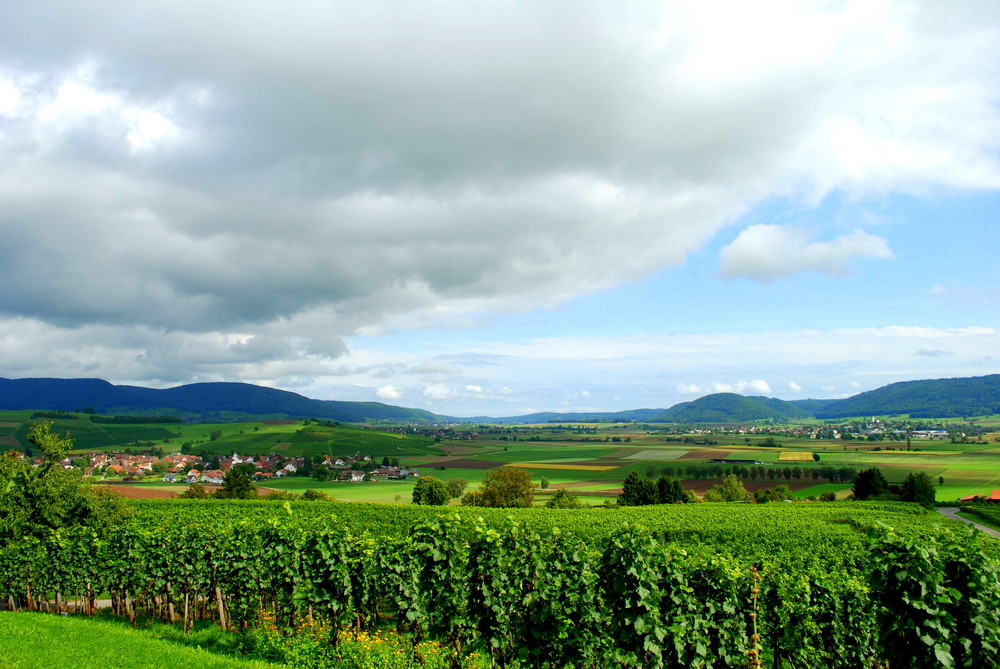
[(732, 408), (937, 398)]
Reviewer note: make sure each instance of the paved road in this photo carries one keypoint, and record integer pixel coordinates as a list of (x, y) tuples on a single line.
[(953, 514)]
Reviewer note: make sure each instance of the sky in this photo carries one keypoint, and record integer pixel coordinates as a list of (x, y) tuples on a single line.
[(500, 207)]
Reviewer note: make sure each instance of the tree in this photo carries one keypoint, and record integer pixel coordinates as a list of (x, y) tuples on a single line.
[(431, 491), (918, 487), (637, 491), (544, 483), (195, 491), (563, 499), (670, 491), (237, 485), (457, 486), (506, 487), (776, 494), (36, 500), (321, 473), (315, 496), (869, 483), (730, 490)]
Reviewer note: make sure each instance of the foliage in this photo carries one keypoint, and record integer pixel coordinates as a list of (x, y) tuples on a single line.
[(918, 487), (288, 495), (195, 491), (564, 499), (505, 487), (670, 491), (314, 495), (236, 484), (457, 486), (731, 407), (730, 490), (431, 491), (637, 491), (38, 500), (775, 494), (870, 483), (939, 598), (513, 585)]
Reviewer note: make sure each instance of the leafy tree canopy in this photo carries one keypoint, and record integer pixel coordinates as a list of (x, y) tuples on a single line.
[(730, 490), (237, 485), (563, 499), (918, 487), (35, 500), (505, 487), (870, 483), (431, 491)]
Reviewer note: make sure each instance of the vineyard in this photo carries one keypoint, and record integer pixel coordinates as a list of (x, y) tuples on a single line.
[(709, 585)]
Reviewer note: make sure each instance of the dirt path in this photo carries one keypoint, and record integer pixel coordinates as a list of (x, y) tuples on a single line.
[(952, 512)]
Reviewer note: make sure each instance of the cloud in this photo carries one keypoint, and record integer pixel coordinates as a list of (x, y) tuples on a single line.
[(794, 387), (389, 392), (933, 352), (765, 252), (756, 387), (412, 166), (239, 207)]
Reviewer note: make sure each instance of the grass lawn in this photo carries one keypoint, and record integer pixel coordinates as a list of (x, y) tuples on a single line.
[(33, 640)]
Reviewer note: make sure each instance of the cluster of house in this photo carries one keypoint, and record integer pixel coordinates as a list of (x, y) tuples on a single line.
[(992, 497), (189, 468)]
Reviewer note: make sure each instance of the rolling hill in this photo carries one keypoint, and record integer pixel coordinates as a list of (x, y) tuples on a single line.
[(938, 398), (198, 400)]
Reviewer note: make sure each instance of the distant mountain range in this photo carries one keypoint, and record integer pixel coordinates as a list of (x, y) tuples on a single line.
[(938, 398)]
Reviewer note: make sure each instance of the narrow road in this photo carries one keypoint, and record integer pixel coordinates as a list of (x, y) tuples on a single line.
[(952, 513)]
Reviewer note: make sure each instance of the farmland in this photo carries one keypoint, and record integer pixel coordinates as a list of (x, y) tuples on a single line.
[(723, 582), (587, 459)]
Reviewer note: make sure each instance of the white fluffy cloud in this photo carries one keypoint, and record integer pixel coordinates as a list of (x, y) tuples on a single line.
[(231, 190), (389, 392), (765, 252)]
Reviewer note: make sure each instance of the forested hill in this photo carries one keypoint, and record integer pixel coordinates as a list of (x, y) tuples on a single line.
[(730, 407), (939, 398), (199, 400)]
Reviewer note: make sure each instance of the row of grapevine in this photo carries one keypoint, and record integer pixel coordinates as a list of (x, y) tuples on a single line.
[(539, 598)]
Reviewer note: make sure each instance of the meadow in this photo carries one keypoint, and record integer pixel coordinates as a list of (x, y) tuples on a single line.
[(589, 459)]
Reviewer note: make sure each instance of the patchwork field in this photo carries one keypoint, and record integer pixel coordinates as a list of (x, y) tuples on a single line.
[(587, 459)]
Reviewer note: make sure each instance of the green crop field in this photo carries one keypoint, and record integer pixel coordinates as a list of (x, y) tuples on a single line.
[(587, 458)]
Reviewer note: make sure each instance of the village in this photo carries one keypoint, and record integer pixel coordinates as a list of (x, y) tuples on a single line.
[(192, 468)]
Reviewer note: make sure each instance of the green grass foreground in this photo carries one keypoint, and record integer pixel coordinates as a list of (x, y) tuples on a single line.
[(36, 640)]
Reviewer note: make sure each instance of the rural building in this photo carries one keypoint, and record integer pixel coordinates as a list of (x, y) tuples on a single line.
[(993, 497)]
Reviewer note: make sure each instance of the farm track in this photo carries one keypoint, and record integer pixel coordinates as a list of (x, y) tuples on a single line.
[(952, 512)]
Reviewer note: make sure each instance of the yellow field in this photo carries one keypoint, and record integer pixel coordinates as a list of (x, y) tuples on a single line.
[(795, 456), (575, 468)]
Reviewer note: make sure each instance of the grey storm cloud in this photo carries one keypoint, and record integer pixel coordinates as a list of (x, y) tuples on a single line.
[(315, 170)]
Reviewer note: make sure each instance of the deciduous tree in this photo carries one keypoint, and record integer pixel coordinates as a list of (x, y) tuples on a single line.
[(430, 491), (730, 490), (506, 487)]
